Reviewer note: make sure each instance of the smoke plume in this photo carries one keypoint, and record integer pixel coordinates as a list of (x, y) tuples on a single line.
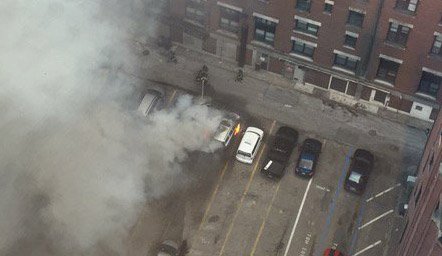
[(76, 166)]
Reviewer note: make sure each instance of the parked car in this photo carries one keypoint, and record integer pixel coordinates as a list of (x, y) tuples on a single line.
[(308, 157), (228, 127), (152, 101), (280, 152), (168, 248), (249, 145), (359, 171), (332, 252)]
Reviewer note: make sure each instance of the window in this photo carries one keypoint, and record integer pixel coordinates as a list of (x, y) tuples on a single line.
[(398, 34), (407, 5), (265, 30), (303, 5), (346, 62), (303, 48), (437, 45), (350, 40), (387, 70), (328, 7), (229, 20), (195, 11), (306, 27), (355, 18), (429, 84)]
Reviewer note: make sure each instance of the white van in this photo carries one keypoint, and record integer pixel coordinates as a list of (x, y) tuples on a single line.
[(249, 145)]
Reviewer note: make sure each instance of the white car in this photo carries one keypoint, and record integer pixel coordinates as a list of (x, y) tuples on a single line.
[(249, 145)]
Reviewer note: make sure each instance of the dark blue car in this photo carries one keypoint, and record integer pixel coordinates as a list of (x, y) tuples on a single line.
[(308, 158)]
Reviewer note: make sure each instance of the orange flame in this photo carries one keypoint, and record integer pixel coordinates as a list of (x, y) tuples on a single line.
[(237, 129)]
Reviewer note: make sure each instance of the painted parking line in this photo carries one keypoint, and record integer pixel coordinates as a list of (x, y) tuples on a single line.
[(212, 197), (171, 97), (322, 188), (335, 198), (297, 218), (367, 248), (383, 192), (229, 231), (376, 219), (261, 228)]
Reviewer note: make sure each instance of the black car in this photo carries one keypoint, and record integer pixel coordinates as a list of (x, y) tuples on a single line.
[(308, 157), (279, 154), (359, 171)]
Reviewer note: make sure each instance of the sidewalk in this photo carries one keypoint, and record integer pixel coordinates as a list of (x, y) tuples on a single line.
[(269, 95)]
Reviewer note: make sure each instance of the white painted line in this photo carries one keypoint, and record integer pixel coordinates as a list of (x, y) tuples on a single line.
[(322, 188), (367, 248), (375, 219), (297, 218), (383, 192)]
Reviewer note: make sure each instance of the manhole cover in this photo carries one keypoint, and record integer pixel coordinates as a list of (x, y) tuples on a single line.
[(372, 132)]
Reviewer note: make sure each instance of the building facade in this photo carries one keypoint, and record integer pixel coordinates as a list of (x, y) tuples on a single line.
[(386, 53), (422, 235)]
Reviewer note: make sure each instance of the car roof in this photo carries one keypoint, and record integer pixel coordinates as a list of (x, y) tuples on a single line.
[(362, 153), (146, 103), (332, 252), (249, 140), (223, 130)]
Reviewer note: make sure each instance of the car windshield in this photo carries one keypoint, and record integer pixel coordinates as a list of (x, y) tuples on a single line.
[(306, 164), (355, 177), (244, 153)]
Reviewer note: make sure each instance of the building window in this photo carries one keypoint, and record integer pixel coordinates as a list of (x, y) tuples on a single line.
[(306, 27), (398, 34), (328, 7), (195, 11), (229, 20), (429, 84), (437, 45), (407, 5), (346, 62), (350, 40), (303, 5), (355, 18), (387, 70), (265, 30), (303, 48)]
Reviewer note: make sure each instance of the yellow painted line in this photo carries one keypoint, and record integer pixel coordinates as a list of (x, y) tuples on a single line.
[(171, 98), (261, 228), (244, 194), (212, 197)]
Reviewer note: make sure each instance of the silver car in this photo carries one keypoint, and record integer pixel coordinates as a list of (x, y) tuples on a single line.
[(228, 127)]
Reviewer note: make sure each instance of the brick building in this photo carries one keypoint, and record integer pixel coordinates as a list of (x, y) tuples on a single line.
[(381, 53), (423, 232)]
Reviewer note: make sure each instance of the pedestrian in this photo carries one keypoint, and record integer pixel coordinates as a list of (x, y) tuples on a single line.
[(239, 75)]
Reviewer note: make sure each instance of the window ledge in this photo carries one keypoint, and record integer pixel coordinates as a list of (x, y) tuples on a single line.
[(227, 33), (305, 34), (258, 43), (425, 95), (343, 70), (193, 22), (383, 82), (397, 46), (349, 47), (301, 56)]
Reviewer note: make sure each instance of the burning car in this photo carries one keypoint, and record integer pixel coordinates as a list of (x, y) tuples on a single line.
[(228, 127)]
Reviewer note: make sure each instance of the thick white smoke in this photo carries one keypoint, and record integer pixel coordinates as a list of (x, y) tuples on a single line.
[(75, 166)]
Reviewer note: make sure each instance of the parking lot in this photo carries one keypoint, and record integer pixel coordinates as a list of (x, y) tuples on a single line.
[(234, 210)]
